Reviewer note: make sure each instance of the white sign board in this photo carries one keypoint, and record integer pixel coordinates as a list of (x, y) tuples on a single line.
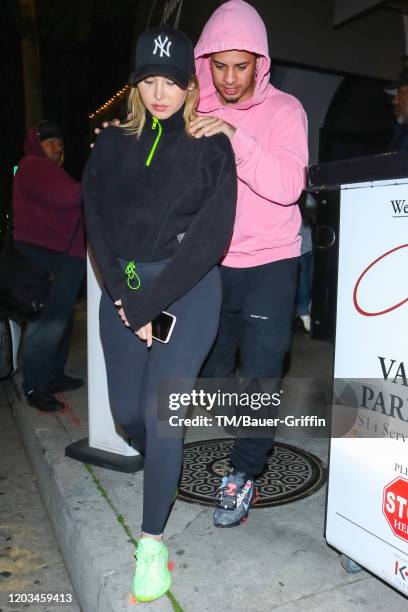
[(367, 513)]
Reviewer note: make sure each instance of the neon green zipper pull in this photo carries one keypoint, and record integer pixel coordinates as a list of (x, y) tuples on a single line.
[(131, 274), (156, 142)]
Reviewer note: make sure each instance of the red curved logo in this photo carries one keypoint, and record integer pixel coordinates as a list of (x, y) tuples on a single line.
[(355, 300)]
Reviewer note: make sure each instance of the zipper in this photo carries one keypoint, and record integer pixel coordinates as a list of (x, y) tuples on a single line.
[(155, 123)]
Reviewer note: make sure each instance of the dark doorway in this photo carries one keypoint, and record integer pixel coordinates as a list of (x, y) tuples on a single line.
[(359, 121)]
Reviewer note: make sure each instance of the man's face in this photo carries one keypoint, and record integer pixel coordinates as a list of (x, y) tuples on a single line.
[(54, 149), (400, 104), (233, 75)]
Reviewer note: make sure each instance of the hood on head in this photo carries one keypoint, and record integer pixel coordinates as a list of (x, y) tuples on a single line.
[(235, 25), (32, 144)]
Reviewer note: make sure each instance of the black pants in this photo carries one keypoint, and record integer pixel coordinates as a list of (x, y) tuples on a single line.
[(46, 341), (134, 373), (255, 324)]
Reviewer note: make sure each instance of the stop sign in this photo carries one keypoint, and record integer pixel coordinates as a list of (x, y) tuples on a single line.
[(395, 507)]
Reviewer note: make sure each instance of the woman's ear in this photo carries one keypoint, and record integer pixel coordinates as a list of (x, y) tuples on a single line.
[(191, 86)]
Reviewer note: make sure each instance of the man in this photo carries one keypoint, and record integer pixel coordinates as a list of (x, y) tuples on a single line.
[(399, 91), (48, 229), (268, 133)]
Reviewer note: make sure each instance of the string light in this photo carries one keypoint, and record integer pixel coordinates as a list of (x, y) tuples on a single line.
[(109, 102)]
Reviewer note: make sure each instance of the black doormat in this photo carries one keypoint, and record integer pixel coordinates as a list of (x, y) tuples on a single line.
[(290, 475)]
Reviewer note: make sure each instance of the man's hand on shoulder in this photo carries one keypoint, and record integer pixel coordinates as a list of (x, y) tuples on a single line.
[(208, 126), (106, 124)]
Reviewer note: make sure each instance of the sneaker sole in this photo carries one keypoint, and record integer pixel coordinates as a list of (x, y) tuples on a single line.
[(135, 599)]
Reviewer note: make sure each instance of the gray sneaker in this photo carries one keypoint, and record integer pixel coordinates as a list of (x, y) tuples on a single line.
[(237, 493)]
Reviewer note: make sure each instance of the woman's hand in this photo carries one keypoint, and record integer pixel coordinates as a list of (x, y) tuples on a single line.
[(145, 333), (121, 312)]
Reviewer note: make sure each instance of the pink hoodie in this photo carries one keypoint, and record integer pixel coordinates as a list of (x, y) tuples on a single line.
[(270, 143)]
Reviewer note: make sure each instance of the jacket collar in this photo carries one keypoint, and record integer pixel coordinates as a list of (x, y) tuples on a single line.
[(175, 123)]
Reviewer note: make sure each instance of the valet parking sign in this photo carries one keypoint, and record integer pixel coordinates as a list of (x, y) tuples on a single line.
[(367, 512)]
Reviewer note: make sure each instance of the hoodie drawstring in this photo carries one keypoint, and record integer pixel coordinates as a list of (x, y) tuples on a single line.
[(156, 142)]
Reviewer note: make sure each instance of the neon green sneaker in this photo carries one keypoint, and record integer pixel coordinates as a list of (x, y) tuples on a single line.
[(152, 577)]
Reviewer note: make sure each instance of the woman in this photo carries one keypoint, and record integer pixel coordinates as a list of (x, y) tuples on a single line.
[(159, 209)]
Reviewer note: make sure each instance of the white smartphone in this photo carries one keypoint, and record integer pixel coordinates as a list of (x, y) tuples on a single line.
[(163, 326)]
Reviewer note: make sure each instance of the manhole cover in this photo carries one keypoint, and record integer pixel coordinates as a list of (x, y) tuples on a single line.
[(291, 473)]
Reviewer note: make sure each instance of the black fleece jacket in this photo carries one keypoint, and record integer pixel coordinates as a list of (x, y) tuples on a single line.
[(181, 206)]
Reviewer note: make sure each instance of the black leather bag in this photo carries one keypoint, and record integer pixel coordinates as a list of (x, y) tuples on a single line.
[(24, 283), (24, 286)]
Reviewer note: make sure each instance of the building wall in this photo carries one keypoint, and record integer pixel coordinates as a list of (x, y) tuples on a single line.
[(315, 90), (303, 32)]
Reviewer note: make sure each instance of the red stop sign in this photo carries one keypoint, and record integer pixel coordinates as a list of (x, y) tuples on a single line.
[(395, 507)]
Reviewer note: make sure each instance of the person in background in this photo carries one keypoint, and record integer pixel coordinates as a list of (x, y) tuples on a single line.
[(268, 133), (48, 229), (399, 92)]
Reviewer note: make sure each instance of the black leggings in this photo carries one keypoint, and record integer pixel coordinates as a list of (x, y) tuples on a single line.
[(133, 377)]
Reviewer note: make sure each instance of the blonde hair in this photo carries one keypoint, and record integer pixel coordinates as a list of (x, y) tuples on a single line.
[(137, 109)]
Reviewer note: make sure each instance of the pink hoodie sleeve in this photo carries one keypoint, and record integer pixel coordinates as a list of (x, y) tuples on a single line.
[(276, 172)]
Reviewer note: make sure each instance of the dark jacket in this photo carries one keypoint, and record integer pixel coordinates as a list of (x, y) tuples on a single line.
[(46, 202), (399, 141), (180, 206)]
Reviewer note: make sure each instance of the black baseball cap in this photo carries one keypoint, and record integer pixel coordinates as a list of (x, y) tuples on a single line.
[(400, 82), (164, 51), (49, 129)]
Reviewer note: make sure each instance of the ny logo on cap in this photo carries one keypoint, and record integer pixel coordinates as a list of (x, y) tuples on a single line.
[(162, 45)]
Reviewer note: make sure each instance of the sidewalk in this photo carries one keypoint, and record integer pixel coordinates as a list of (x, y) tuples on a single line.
[(278, 561), (30, 560)]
